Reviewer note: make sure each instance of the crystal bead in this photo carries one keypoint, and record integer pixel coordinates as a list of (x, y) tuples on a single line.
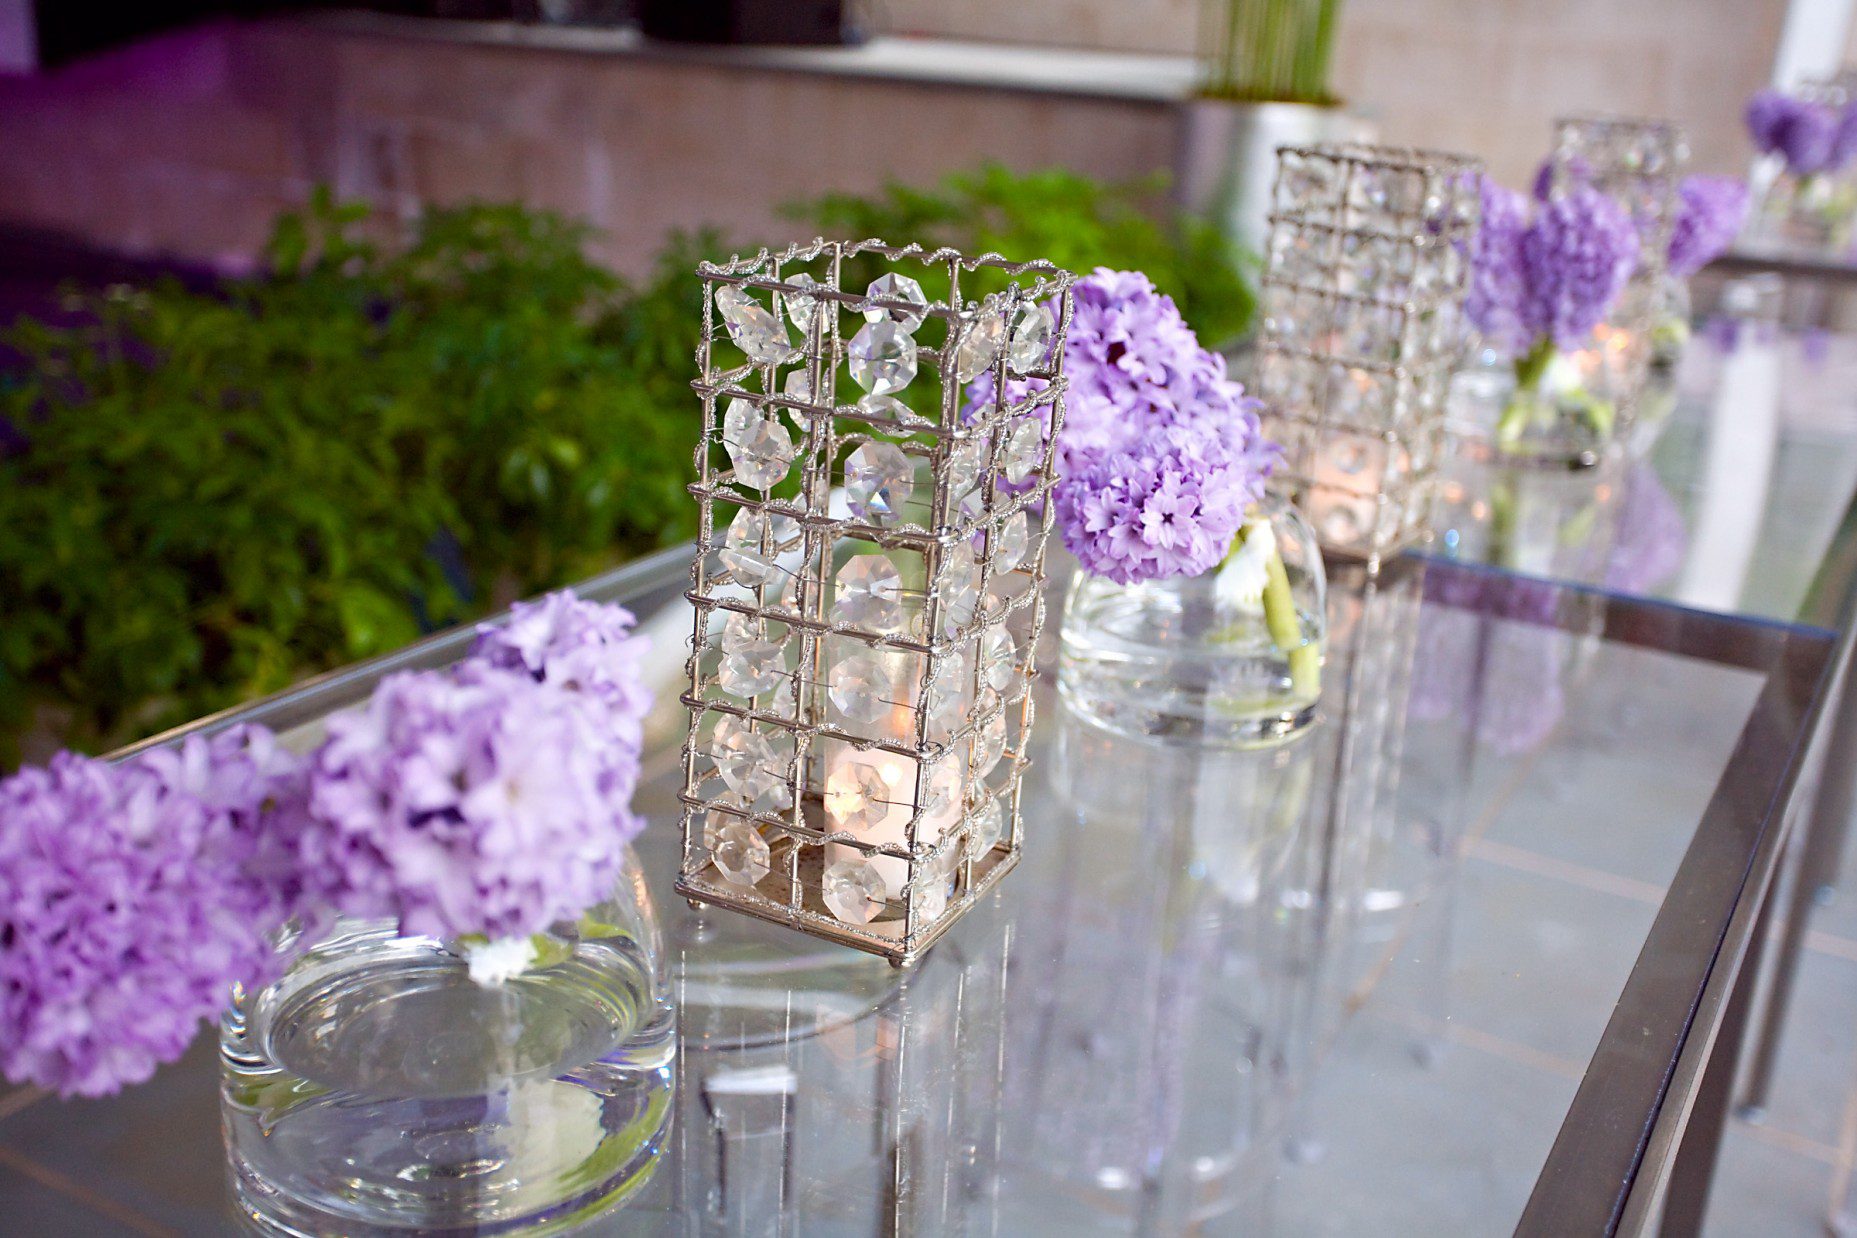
[(755, 330), (933, 886), (751, 661), (897, 288), (1025, 451), (980, 344), (740, 854), (862, 688), (989, 747), (986, 829), (747, 760), (751, 547), (870, 594), (960, 587), (784, 704), (800, 307), (941, 790), (946, 692), (879, 479), (882, 358), (759, 447), (853, 890), (1031, 338), (996, 655), (965, 462), (797, 386), (1010, 542), (887, 408), (856, 797)]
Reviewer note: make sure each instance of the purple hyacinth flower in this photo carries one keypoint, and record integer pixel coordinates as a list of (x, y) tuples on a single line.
[(1710, 212), (1575, 259)]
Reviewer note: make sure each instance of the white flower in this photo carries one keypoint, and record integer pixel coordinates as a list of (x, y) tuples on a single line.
[(1242, 578), (493, 962)]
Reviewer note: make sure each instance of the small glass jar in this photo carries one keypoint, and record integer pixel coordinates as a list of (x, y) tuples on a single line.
[(1806, 214), (377, 1088), (1548, 408), (1196, 659)]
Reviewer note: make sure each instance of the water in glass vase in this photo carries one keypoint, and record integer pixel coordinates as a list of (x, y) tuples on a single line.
[(1195, 659), (376, 1088)]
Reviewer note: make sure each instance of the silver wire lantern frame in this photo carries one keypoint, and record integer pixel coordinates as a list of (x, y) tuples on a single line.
[(1362, 298), (941, 653), (1637, 163)]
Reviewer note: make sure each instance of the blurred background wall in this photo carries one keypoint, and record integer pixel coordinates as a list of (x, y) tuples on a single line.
[(187, 144)]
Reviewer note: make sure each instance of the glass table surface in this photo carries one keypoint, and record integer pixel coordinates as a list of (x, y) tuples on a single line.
[(1347, 984)]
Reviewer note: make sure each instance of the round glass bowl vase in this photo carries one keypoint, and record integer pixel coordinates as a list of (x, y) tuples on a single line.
[(1560, 411), (376, 1088), (1195, 659)]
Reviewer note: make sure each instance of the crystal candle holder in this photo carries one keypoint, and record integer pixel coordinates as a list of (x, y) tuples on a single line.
[(1362, 327), (867, 583), (1637, 163)]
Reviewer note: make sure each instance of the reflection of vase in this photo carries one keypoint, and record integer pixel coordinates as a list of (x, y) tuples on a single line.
[(376, 1088), (1200, 658), (1227, 159)]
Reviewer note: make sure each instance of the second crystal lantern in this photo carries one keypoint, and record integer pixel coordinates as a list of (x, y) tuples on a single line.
[(867, 587)]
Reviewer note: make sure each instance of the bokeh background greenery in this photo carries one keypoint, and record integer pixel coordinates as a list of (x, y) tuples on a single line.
[(209, 494)]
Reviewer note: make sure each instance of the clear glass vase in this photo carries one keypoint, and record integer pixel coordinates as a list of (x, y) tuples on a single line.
[(376, 1088), (1195, 659), (1810, 214), (1547, 408)]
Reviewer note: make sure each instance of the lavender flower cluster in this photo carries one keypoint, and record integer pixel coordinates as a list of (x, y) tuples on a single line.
[(1161, 452), (1809, 136), (1547, 275), (493, 799), (1710, 212)]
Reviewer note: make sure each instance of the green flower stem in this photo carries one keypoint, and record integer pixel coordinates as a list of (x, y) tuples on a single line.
[(1530, 368), (1286, 630)]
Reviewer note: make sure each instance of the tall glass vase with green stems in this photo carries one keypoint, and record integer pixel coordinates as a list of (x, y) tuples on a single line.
[(1269, 51)]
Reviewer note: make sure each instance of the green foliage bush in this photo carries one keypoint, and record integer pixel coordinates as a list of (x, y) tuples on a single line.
[(222, 492)]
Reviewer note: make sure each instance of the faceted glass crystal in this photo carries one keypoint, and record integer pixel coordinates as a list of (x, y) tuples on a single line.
[(800, 307), (752, 662), (1025, 451), (879, 479), (755, 330), (747, 760), (862, 688), (996, 655), (960, 587), (986, 829), (751, 547), (740, 854), (1031, 338), (870, 594), (989, 747), (853, 890), (797, 386), (760, 448), (934, 884), (1010, 542), (897, 288), (946, 691), (941, 789), (965, 462), (980, 344), (856, 796), (886, 408), (882, 358)]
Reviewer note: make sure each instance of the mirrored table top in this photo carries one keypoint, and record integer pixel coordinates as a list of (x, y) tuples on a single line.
[(1347, 984)]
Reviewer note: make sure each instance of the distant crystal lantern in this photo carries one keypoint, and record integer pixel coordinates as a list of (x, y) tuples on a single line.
[(760, 448), (1010, 542), (800, 307), (755, 330), (879, 479), (862, 688), (751, 548), (740, 854), (987, 828), (856, 797), (882, 358), (853, 890), (897, 288), (870, 594), (1031, 338), (746, 759), (980, 344), (1025, 451)]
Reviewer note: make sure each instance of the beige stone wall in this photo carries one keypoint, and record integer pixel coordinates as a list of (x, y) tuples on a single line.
[(191, 144), (1483, 76)]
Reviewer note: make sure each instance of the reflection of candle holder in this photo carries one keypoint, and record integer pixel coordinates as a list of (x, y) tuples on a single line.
[(1362, 300), (867, 585), (1635, 162)]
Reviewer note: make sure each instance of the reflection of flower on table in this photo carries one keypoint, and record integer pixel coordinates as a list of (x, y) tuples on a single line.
[(1491, 658)]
